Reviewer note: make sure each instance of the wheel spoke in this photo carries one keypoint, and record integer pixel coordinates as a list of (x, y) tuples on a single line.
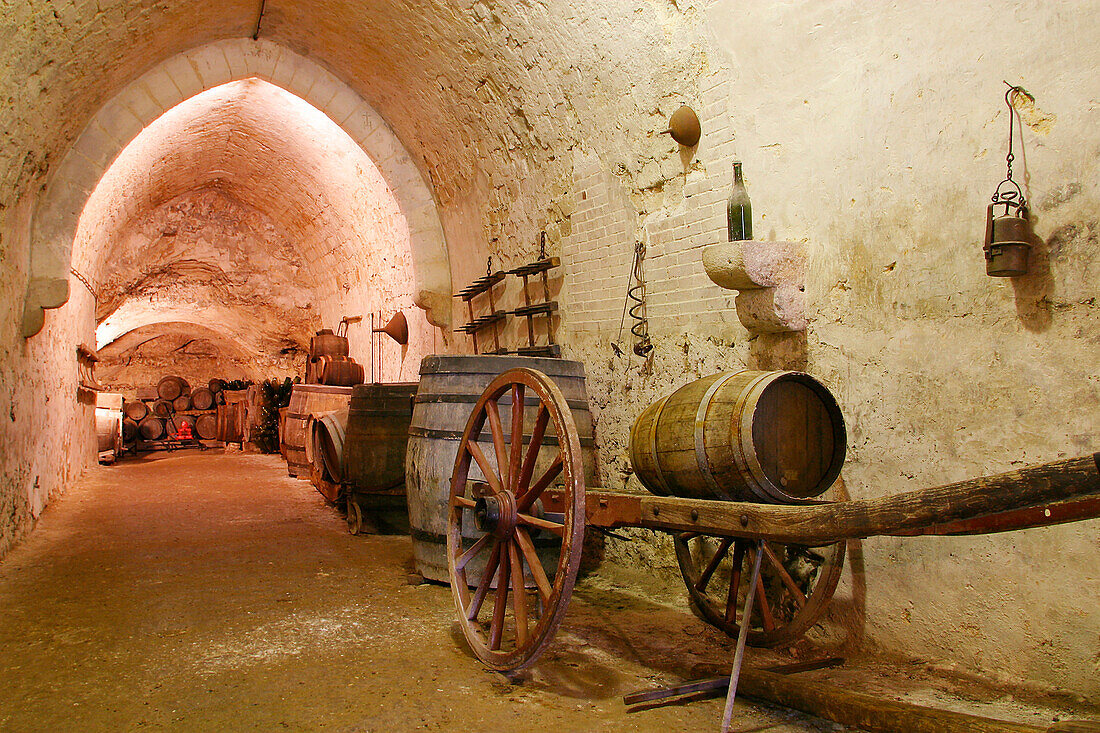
[(519, 594), (462, 501), (469, 555), (766, 617), (532, 455), (687, 536), (524, 503), (784, 576), (537, 571), (735, 582), (496, 628), (558, 529), (708, 571), (483, 586), (497, 429), (519, 393), (490, 475)]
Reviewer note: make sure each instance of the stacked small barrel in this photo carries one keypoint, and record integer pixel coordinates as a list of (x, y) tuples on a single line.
[(329, 361), (161, 411)]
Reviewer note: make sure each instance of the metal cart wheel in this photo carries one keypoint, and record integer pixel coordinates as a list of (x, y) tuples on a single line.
[(528, 603), (796, 582)]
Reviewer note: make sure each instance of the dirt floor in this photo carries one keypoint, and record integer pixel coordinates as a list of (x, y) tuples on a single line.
[(209, 591)]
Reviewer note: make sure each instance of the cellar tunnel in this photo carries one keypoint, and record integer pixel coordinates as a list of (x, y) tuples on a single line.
[(195, 189)]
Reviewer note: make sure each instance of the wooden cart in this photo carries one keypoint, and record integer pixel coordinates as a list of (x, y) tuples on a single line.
[(720, 545)]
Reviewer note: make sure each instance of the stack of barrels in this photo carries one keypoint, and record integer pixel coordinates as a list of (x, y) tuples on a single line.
[(161, 411), (329, 363)]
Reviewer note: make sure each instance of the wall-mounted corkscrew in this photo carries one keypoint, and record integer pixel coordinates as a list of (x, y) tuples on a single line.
[(635, 292)]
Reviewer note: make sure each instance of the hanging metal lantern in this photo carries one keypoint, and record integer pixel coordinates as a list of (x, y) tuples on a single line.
[(1008, 232)]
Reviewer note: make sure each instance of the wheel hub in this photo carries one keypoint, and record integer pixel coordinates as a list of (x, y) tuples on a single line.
[(496, 514)]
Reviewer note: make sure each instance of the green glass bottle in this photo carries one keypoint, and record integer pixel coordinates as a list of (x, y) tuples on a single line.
[(738, 209)]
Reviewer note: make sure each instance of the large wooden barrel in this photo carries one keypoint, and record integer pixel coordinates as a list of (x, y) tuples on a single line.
[(449, 387), (151, 428), (135, 411), (215, 385), (206, 426), (129, 430), (171, 387), (326, 436), (202, 399), (108, 429), (182, 403), (377, 436), (742, 436), (306, 399), (162, 408), (232, 416)]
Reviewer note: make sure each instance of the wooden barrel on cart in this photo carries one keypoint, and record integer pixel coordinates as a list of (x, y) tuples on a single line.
[(377, 436), (449, 388), (326, 437), (375, 442), (135, 410), (151, 428), (306, 399), (171, 387), (774, 437)]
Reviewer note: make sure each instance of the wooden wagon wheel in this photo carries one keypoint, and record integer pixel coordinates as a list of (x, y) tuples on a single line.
[(509, 633), (795, 586)]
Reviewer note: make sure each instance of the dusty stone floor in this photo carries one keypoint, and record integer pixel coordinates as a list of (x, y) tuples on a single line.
[(207, 591)]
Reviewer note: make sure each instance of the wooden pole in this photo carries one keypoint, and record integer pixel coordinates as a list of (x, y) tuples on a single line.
[(826, 523), (867, 712)]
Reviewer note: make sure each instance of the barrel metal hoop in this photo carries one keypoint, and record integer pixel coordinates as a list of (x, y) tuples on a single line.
[(700, 438), (653, 446), (745, 453)]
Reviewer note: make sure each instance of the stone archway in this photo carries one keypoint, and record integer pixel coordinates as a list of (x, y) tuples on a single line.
[(181, 77)]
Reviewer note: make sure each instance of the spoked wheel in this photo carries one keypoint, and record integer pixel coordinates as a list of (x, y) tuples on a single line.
[(528, 602), (355, 517), (796, 582)]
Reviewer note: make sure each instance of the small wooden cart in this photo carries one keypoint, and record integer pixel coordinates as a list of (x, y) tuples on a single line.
[(800, 547)]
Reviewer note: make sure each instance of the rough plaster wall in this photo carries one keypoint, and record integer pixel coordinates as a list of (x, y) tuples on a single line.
[(46, 434), (878, 144)]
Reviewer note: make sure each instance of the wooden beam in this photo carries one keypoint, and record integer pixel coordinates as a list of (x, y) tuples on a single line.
[(866, 712), (826, 523)]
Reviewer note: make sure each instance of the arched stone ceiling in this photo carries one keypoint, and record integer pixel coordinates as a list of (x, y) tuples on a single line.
[(489, 98), (132, 352), (273, 153)]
